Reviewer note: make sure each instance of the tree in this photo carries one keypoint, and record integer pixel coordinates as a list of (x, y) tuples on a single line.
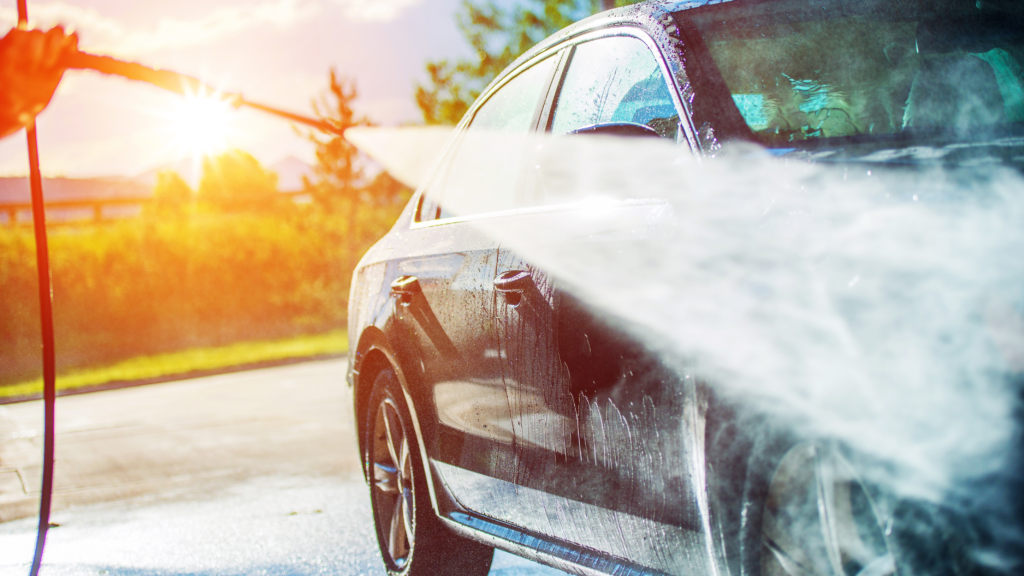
[(170, 194), (497, 35), (340, 169), (235, 181), (368, 205)]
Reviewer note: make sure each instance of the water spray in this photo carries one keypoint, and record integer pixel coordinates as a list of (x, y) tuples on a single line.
[(168, 80)]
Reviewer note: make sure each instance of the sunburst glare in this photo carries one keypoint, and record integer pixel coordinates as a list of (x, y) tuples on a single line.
[(200, 124)]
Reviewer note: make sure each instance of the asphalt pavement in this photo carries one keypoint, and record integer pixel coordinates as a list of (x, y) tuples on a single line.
[(247, 473)]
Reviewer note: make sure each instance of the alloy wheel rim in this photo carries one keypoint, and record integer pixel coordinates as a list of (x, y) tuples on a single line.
[(393, 483), (819, 520)]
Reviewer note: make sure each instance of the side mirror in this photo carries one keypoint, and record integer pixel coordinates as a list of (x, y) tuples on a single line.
[(630, 129)]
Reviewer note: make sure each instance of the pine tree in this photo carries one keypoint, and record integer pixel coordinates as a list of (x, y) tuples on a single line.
[(340, 170), (368, 206)]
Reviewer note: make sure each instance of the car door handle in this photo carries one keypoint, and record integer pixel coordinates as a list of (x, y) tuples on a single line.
[(513, 281), (404, 287)]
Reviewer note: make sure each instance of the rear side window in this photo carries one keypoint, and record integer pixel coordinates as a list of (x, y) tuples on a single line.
[(615, 79), (483, 171)]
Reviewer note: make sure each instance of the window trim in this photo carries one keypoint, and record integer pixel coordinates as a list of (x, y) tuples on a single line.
[(633, 32), (442, 162), (530, 195)]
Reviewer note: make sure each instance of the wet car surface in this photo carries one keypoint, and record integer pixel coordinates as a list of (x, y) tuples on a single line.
[(497, 409)]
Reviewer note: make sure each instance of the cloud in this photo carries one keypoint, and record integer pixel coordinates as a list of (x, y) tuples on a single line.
[(375, 10), (108, 35)]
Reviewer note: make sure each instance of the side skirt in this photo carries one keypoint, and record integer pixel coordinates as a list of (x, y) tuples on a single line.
[(542, 549)]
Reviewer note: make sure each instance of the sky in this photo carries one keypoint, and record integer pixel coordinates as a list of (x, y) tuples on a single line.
[(275, 52)]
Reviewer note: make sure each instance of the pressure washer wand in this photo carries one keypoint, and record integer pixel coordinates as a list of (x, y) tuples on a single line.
[(181, 84)]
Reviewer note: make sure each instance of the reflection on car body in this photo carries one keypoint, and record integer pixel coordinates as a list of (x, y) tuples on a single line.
[(496, 410)]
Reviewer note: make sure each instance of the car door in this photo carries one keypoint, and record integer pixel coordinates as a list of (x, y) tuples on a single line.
[(442, 288), (600, 426)]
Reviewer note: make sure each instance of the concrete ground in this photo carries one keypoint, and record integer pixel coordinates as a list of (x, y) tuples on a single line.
[(189, 436), (248, 473)]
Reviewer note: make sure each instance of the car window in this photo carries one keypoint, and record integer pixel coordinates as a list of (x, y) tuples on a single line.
[(803, 75), (482, 174), (615, 79)]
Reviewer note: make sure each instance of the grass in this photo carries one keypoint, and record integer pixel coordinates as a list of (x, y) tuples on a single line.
[(187, 361)]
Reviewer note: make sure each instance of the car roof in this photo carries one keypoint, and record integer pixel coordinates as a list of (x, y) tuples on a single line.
[(643, 13)]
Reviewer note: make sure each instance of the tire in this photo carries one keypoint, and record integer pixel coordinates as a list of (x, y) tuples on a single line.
[(412, 540), (735, 487), (782, 506), (819, 518)]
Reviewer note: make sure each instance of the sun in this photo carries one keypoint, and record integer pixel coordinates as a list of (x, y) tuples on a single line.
[(200, 124)]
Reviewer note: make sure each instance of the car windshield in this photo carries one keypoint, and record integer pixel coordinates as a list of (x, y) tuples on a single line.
[(813, 71)]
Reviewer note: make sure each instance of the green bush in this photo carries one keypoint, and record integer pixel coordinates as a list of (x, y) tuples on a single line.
[(232, 261), (180, 279)]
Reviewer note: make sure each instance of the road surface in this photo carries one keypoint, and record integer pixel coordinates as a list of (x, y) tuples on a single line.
[(246, 473)]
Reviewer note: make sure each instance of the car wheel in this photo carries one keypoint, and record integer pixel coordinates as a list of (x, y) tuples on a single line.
[(780, 506), (412, 540), (819, 518)]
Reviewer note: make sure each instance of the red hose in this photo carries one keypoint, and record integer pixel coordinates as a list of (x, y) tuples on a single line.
[(46, 319)]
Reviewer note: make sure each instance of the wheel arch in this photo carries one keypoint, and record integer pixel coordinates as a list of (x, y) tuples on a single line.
[(371, 361), (373, 355)]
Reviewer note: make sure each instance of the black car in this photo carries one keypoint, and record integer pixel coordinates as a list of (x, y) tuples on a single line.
[(497, 410)]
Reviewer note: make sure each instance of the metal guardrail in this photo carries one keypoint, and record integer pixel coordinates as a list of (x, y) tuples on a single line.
[(12, 210), (96, 206)]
